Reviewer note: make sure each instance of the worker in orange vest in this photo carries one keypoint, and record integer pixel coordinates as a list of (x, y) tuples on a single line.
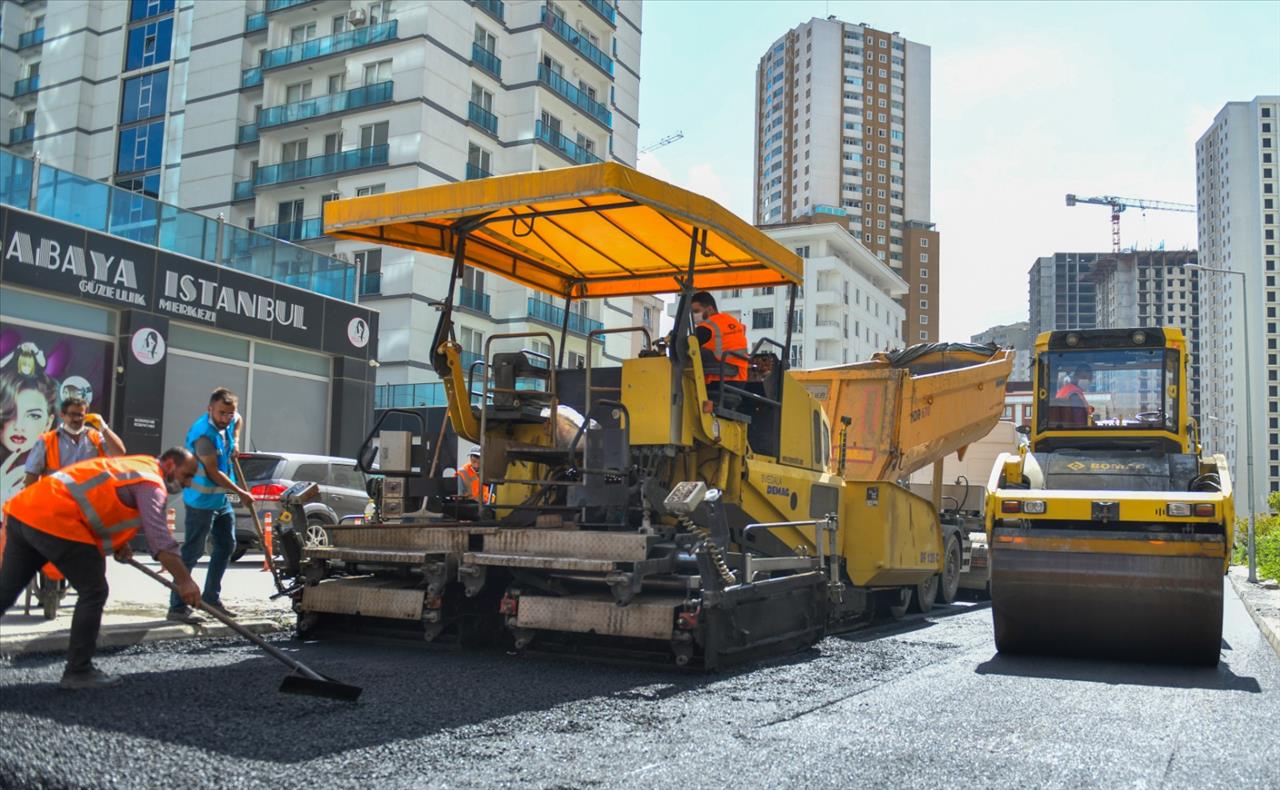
[(719, 334), (469, 478), (79, 437), (73, 518), (1070, 407)]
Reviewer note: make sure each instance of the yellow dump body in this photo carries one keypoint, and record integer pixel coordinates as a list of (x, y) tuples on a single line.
[(910, 411)]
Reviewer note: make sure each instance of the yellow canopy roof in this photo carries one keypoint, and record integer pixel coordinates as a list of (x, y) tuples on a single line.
[(589, 231)]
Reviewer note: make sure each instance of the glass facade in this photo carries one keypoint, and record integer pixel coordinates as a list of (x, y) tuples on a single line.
[(144, 97), (145, 9), (149, 44), (140, 147)]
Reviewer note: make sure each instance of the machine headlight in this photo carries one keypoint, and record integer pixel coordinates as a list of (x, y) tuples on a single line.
[(1073, 340), (1139, 338), (1178, 509), (1033, 506)]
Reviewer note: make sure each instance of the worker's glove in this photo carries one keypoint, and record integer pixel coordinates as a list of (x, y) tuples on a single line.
[(124, 553), (95, 421)]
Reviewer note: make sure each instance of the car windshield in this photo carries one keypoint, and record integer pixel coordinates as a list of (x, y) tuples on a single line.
[(259, 467), (1134, 389)]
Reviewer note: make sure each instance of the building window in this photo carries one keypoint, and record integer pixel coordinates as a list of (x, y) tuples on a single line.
[(924, 319), (149, 44), (140, 147), (144, 97), (924, 288), (374, 134), (143, 9), (762, 318), (924, 273), (372, 189), (924, 304), (377, 72), (924, 335), (924, 242), (924, 257)]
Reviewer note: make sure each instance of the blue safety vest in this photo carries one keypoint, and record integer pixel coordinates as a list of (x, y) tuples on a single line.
[(204, 493)]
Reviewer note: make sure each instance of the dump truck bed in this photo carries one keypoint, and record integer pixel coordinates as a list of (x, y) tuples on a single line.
[(913, 407)]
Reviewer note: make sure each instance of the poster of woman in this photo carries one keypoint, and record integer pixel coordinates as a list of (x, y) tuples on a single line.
[(38, 369)]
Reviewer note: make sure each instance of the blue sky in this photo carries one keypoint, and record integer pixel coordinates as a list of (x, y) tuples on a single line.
[(1030, 101)]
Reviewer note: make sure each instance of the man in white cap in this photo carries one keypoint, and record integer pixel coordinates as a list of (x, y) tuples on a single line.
[(469, 478)]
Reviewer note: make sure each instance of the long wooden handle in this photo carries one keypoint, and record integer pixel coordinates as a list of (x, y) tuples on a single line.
[(257, 525), (234, 626)]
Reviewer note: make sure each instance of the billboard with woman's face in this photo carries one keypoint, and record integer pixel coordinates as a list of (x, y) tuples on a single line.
[(38, 369)]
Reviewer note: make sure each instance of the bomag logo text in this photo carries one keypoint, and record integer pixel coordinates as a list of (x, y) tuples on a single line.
[(778, 491)]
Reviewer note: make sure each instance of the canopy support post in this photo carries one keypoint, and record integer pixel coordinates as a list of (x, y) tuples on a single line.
[(444, 327), (791, 320), (564, 331)]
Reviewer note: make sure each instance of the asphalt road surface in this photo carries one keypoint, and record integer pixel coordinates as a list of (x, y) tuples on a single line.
[(922, 703)]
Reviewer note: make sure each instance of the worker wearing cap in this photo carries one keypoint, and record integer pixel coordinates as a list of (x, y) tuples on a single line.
[(1072, 407), (73, 518), (79, 437), (469, 478), (721, 336)]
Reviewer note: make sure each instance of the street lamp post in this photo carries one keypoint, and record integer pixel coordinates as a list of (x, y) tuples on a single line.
[(1248, 411)]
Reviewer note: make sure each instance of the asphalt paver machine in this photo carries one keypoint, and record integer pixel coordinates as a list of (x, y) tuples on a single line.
[(639, 510), (1110, 531)]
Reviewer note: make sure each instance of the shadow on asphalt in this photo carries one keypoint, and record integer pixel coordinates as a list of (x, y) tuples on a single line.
[(884, 628), (1219, 678), (409, 692)]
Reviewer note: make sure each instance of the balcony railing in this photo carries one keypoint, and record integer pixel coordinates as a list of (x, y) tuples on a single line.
[(473, 300), (280, 5), (31, 38), (364, 96), (564, 145), (575, 96), (476, 171), (251, 77), (486, 59), (298, 230), (25, 86), (323, 165), (247, 133), (482, 118), (329, 45), (370, 283), (255, 22), (21, 134), (548, 313), (604, 10), (578, 41), (243, 190), (469, 358), (406, 396), (493, 8)]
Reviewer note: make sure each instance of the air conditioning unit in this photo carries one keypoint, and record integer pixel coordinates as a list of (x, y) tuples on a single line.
[(356, 17)]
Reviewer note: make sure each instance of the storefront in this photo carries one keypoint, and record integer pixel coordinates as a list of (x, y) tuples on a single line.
[(146, 335)]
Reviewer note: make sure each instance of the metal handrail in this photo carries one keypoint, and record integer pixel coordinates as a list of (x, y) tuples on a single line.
[(828, 524)]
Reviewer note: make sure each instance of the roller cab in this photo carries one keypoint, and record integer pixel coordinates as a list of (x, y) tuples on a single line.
[(1109, 532)]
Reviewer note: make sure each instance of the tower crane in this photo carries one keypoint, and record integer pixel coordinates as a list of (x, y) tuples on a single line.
[(1119, 204), (664, 142)]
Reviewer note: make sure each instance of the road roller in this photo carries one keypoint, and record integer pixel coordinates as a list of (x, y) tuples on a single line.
[(1110, 531)]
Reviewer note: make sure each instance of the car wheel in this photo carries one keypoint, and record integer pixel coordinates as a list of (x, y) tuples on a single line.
[(317, 535)]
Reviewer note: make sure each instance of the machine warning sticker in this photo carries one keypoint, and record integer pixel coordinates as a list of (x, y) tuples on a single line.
[(873, 496)]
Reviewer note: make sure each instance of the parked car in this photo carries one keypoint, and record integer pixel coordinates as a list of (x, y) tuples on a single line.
[(268, 475)]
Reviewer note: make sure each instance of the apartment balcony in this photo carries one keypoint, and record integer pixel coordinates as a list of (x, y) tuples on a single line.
[(322, 165), (31, 38), (486, 60), (251, 78), (405, 396), (547, 313), (827, 330), (298, 230), (469, 358), (354, 99), (493, 8), (575, 96), (371, 283), (564, 146), (573, 38), (329, 45), (280, 5), (247, 133), (482, 118), (606, 11), (243, 190), (473, 300), (255, 22), (476, 171), (21, 134), (25, 86)]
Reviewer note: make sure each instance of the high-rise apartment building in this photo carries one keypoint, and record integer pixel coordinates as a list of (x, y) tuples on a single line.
[(1153, 288), (842, 127), (1237, 187), (264, 111), (1061, 292), (1015, 336), (848, 308)]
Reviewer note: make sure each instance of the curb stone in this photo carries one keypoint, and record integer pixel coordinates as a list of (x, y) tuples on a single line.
[(132, 634), (1269, 626)]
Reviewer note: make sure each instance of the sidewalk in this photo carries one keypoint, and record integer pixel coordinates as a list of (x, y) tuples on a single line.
[(1263, 602), (137, 606)]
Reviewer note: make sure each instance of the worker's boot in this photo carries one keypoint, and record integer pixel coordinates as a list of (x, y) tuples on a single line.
[(91, 678), (184, 614)]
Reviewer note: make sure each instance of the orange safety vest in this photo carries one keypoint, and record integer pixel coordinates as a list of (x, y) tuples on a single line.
[(81, 502), (53, 453), (470, 477), (727, 334)]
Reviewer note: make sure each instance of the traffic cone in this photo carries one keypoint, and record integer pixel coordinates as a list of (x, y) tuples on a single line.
[(266, 535)]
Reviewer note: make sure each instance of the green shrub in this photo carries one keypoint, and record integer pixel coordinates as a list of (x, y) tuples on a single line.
[(1266, 536)]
